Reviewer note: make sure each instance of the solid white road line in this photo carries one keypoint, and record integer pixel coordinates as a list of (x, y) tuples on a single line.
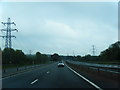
[(85, 79), (34, 81)]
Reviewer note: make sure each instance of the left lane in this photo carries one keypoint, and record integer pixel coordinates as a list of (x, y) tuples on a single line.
[(23, 80)]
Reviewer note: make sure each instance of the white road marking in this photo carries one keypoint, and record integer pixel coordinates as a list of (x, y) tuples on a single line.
[(47, 72), (34, 81), (85, 79)]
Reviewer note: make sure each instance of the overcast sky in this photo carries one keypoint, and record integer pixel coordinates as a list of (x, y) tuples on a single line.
[(65, 28)]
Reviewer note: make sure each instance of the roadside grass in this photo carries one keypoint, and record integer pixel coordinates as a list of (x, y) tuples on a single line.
[(7, 66), (14, 65)]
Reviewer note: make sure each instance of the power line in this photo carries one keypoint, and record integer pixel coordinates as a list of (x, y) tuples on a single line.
[(8, 36)]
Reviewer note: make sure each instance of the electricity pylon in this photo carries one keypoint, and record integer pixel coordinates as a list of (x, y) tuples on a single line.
[(93, 50), (8, 30)]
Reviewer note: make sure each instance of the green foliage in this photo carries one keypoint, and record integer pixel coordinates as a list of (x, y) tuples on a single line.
[(41, 58), (38, 57), (55, 57), (17, 57), (44, 58), (112, 53), (78, 57), (87, 57), (20, 57), (8, 56)]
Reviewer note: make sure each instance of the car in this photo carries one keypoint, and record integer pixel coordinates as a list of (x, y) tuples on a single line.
[(60, 64)]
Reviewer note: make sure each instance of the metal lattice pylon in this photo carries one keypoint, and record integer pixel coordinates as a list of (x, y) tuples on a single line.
[(8, 36)]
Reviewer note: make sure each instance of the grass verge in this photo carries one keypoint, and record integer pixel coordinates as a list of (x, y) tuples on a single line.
[(7, 66)]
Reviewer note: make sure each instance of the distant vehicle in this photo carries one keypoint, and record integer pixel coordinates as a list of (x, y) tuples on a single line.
[(60, 64)]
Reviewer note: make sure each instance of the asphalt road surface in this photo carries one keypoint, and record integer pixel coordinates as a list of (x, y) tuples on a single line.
[(49, 76)]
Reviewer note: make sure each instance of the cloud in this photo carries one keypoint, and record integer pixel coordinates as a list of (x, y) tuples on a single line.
[(51, 31), (60, 30), (89, 29)]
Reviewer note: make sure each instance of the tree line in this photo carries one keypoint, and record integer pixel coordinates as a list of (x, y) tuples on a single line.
[(110, 54), (11, 56)]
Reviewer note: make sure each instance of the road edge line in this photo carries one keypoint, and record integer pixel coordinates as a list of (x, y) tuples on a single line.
[(96, 86)]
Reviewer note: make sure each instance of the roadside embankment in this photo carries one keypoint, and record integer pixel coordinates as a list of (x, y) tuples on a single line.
[(105, 73)]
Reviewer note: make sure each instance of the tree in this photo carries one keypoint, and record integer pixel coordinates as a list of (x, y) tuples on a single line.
[(112, 53), (55, 57), (20, 57), (41, 58), (44, 58), (38, 57), (87, 57), (8, 56), (11, 56), (79, 57)]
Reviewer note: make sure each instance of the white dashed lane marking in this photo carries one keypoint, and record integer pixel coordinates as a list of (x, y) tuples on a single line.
[(47, 72), (34, 81)]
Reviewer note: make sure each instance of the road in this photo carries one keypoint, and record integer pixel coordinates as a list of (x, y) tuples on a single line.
[(49, 76)]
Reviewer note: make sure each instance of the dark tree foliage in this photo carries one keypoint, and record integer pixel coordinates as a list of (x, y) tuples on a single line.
[(41, 58), (8, 56), (78, 57), (44, 58), (38, 57), (20, 57), (55, 57), (30, 59), (87, 57), (112, 53), (11, 56)]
